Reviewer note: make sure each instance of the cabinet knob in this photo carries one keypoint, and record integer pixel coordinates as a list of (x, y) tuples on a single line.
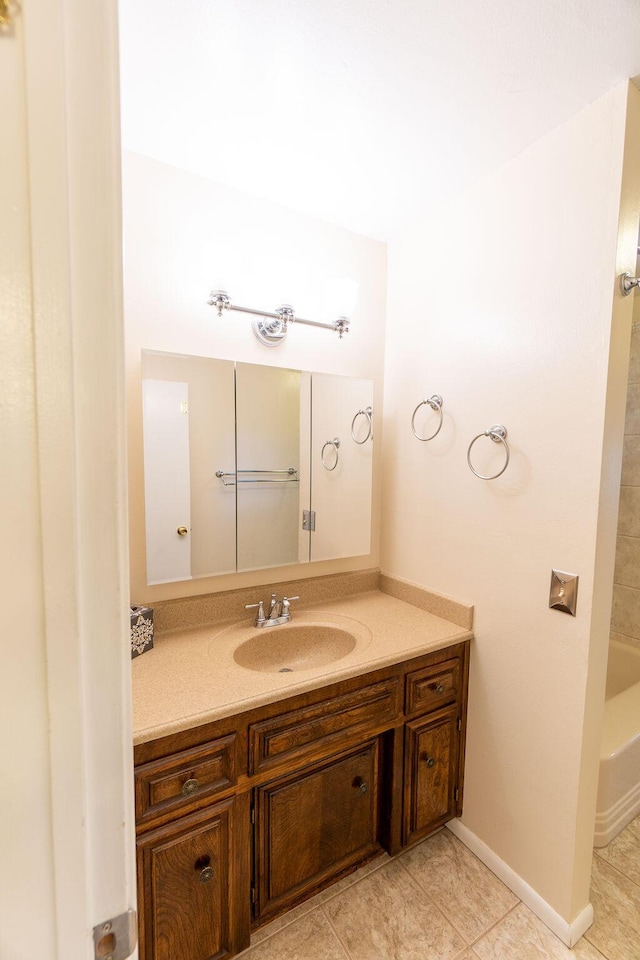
[(360, 785), (430, 762), (439, 688), (189, 787), (182, 531), (206, 875)]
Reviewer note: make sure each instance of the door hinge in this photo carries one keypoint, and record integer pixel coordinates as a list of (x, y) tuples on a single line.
[(309, 520), (116, 939), (456, 794), (253, 814), (6, 13), (459, 724), (253, 894)]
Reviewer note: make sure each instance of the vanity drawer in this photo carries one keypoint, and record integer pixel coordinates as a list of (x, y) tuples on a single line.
[(322, 727), (177, 781), (432, 687)]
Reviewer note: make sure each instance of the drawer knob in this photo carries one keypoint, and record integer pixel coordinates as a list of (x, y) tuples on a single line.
[(189, 787), (430, 762), (360, 785), (439, 688), (203, 868)]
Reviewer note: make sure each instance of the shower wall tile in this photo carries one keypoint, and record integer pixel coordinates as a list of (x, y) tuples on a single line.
[(627, 570), (632, 419), (629, 514), (634, 360), (631, 462), (625, 616)]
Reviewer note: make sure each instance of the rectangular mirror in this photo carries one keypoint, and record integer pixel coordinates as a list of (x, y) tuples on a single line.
[(272, 437), (341, 473), (248, 466)]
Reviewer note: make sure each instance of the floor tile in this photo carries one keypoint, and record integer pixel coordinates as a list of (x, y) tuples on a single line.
[(467, 892), (387, 916), (352, 878), (616, 903), (521, 936), (623, 852), (289, 917), (309, 938)]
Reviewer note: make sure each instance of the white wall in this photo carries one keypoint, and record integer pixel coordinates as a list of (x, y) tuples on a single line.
[(184, 236), (502, 303)]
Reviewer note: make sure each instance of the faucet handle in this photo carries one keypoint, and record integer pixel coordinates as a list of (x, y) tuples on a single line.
[(286, 603), (257, 606)]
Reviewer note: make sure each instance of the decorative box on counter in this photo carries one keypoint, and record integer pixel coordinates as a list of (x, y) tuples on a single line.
[(141, 630)]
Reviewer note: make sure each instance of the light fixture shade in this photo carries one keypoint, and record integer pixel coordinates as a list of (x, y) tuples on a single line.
[(341, 296)]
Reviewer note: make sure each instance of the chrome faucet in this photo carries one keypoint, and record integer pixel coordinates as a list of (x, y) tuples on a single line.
[(279, 611)]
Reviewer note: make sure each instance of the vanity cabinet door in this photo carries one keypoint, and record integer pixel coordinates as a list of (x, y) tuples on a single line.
[(432, 746), (314, 825), (189, 889)]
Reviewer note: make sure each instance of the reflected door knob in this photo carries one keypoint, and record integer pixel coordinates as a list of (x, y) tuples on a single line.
[(182, 531)]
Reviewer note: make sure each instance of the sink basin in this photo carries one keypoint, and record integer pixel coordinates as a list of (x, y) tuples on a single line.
[(294, 647)]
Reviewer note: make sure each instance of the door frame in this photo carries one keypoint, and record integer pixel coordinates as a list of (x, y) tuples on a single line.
[(73, 144)]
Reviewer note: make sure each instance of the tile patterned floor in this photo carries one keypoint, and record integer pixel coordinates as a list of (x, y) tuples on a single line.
[(437, 901)]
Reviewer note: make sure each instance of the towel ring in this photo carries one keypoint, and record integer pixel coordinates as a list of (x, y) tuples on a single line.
[(335, 443), (498, 434), (368, 413), (435, 402)]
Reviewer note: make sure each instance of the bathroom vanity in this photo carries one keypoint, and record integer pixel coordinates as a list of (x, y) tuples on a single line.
[(291, 778)]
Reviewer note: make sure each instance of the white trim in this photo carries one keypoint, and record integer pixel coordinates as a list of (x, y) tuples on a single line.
[(72, 107), (569, 933)]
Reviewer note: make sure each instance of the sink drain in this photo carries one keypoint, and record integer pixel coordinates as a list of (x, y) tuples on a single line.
[(285, 670)]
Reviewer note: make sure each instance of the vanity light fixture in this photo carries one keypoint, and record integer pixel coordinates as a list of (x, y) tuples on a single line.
[(272, 328)]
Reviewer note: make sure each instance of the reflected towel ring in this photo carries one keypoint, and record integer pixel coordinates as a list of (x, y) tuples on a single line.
[(498, 434), (335, 443), (368, 413), (435, 402)]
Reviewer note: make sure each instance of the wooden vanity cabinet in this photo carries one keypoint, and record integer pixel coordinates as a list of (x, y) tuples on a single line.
[(431, 773), (242, 818), (190, 901), (315, 824)]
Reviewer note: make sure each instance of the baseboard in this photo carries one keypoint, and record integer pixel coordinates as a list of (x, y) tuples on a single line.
[(569, 933)]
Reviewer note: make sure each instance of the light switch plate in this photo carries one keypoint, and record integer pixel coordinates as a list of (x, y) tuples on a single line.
[(563, 592)]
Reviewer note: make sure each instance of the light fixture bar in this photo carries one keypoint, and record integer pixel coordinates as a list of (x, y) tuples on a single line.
[(283, 316)]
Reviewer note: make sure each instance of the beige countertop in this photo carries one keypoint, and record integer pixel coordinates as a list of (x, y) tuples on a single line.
[(190, 677)]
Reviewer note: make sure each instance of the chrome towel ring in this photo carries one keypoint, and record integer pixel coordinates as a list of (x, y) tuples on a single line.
[(335, 443), (498, 434), (368, 413), (435, 402)]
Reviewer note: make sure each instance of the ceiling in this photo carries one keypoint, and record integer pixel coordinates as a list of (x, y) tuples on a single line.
[(366, 113)]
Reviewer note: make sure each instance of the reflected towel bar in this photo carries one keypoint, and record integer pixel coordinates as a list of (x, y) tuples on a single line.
[(229, 479)]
